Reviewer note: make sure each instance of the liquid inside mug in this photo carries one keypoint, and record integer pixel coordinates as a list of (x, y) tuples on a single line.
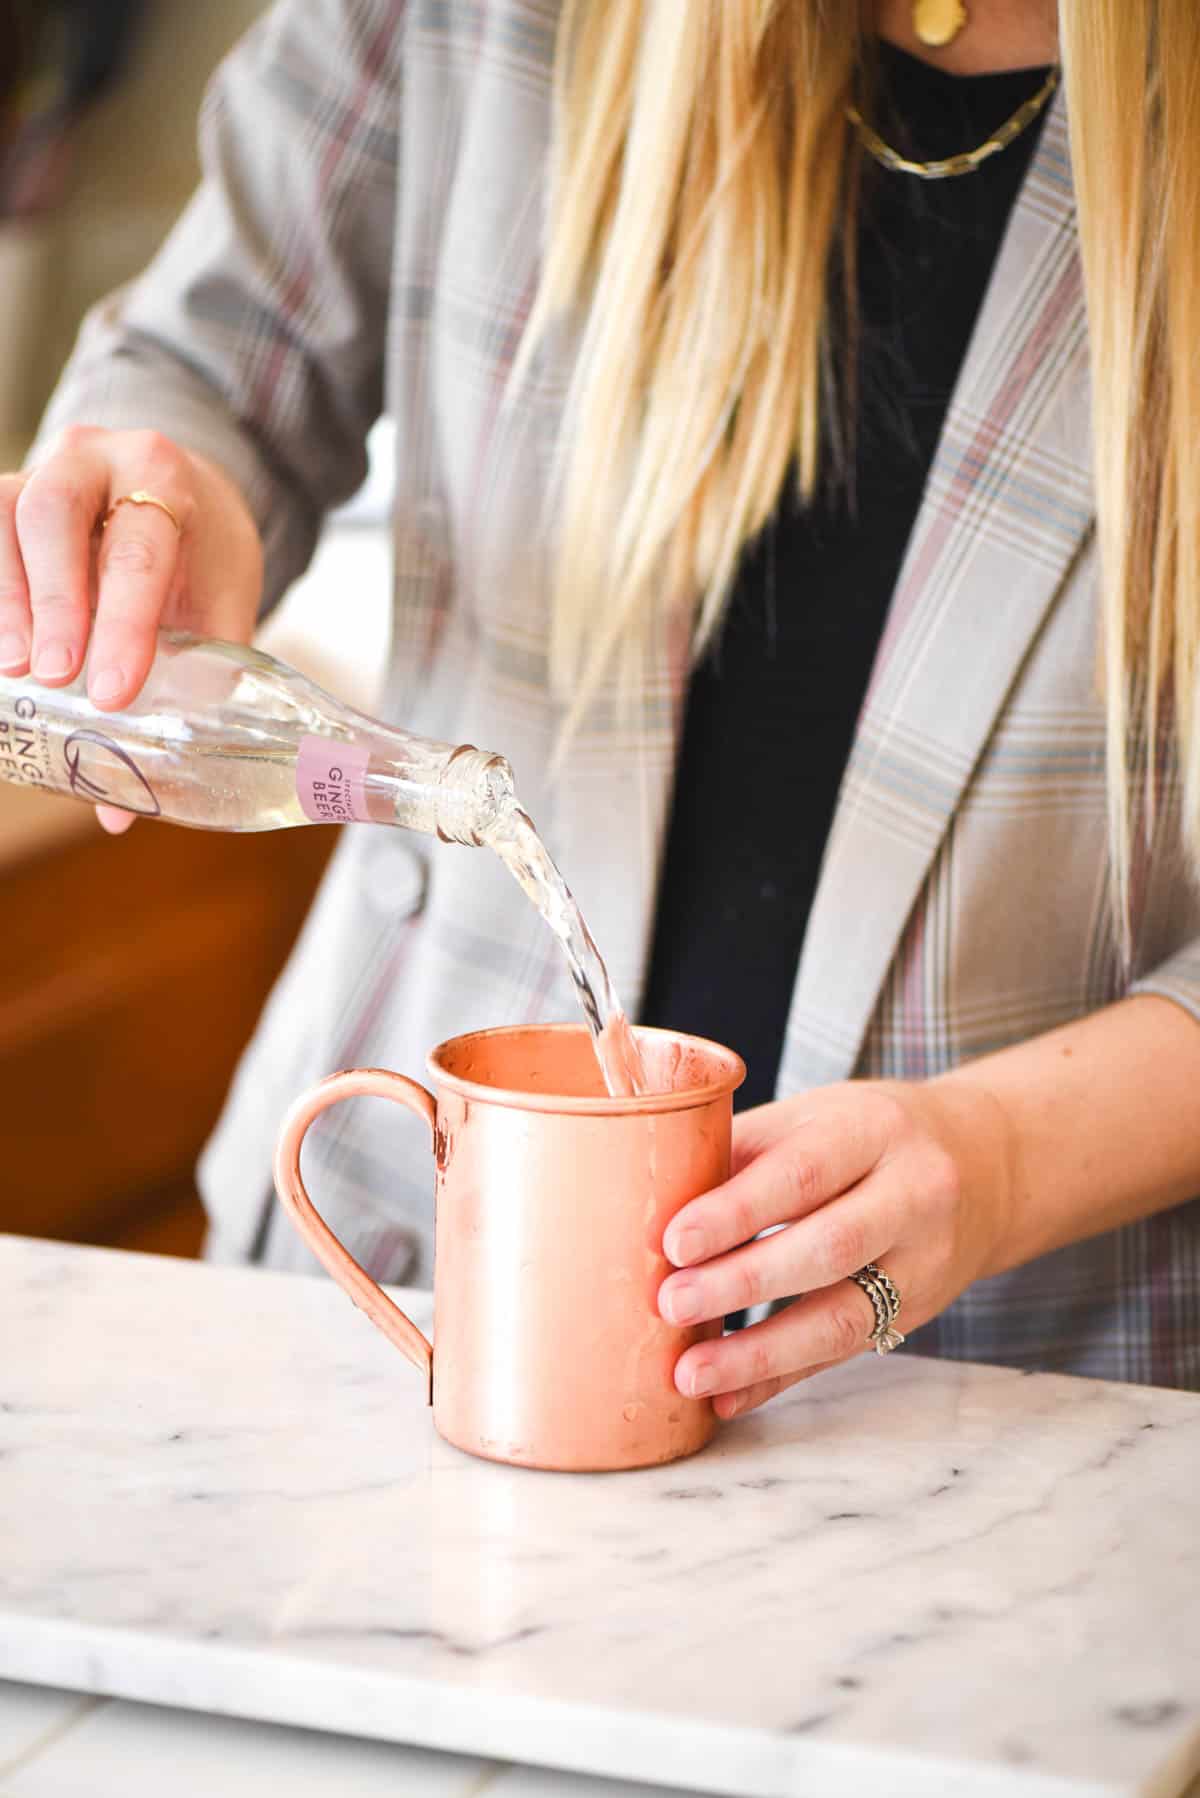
[(551, 1203)]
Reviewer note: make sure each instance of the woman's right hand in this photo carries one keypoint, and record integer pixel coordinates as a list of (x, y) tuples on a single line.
[(68, 589)]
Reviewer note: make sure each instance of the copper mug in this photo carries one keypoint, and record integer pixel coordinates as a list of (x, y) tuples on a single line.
[(551, 1203)]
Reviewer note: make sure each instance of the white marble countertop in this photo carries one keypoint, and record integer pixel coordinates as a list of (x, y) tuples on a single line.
[(220, 1490)]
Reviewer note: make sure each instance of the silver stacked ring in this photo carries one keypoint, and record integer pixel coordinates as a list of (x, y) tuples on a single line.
[(884, 1295), (889, 1286)]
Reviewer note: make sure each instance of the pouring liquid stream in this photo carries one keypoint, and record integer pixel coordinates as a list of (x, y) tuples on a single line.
[(512, 836)]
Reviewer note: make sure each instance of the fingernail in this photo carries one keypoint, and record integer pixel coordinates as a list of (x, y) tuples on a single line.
[(688, 1247), (704, 1380), (683, 1302), (105, 684), (13, 650), (53, 661)]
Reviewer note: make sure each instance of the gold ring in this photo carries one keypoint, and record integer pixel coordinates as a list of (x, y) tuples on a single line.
[(141, 498)]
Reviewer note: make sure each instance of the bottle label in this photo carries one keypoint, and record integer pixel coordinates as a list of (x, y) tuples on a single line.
[(103, 773), (85, 763), (331, 781), (24, 744)]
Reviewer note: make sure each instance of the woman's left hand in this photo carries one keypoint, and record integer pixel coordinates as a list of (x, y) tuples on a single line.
[(914, 1176)]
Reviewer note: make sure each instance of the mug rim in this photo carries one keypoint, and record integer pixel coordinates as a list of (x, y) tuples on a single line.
[(685, 1099)]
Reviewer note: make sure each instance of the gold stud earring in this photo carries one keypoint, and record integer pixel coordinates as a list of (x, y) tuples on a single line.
[(938, 22)]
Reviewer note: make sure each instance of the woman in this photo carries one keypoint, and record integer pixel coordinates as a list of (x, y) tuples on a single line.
[(653, 311)]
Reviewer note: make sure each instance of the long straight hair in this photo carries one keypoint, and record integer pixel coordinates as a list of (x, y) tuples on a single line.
[(702, 190)]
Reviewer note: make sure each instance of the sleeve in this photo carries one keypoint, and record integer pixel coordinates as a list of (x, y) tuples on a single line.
[(257, 335), (1176, 978)]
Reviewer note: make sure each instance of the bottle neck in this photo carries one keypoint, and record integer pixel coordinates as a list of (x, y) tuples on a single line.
[(454, 792), (475, 788)]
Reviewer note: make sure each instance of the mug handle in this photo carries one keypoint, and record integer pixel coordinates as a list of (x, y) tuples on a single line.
[(365, 1292)]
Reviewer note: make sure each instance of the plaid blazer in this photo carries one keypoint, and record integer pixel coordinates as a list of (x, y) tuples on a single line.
[(366, 237)]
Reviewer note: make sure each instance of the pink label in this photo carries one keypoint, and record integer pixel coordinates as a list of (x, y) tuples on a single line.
[(331, 781)]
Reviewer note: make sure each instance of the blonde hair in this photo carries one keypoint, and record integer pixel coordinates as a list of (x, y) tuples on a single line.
[(1132, 94), (702, 183), (696, 188)]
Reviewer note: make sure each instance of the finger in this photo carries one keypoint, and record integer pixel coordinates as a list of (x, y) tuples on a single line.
[(819, 1330), (736, 1404), (759, 1129), (833, 1242), (16, 632), (139, 556), (812, 1162), (56, 512), (113, 820)]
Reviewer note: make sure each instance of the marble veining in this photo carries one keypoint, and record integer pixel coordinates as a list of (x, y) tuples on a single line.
[(219, 1489)]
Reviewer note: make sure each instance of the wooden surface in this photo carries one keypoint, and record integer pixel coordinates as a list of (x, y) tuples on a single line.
[(132, 972)]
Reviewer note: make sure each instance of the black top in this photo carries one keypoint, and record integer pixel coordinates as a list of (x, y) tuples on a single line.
[(771, 711)]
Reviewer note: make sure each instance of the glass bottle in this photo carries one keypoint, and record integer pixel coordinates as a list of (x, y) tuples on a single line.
[(225, 738)]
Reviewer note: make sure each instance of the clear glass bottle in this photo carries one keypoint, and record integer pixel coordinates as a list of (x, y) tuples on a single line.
[(225, 738)]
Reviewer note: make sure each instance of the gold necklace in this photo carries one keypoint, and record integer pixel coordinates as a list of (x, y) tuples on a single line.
[(966, 161), (938, 22)]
